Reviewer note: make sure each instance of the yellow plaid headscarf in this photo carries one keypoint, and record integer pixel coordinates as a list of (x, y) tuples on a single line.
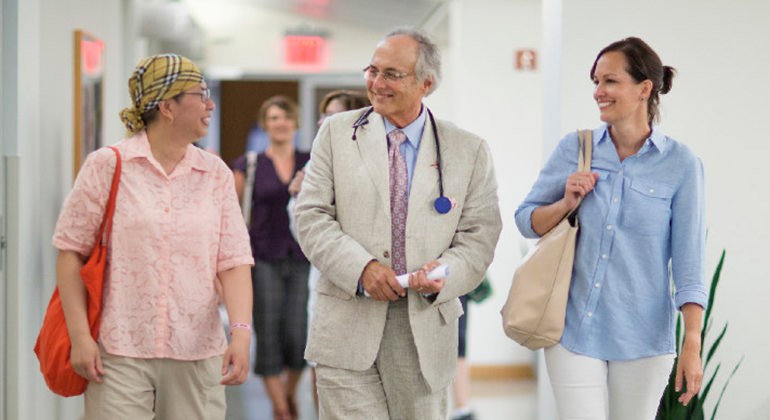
[(156, 79)]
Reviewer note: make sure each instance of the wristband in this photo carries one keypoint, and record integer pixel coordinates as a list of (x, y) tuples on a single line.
[(240, 325)]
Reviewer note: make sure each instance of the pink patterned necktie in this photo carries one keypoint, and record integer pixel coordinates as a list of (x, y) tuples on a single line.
[(398, 200)]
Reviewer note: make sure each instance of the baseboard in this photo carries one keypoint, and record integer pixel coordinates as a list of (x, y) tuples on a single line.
[(501, 372)]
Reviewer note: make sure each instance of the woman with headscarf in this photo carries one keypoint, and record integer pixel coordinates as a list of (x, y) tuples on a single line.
[(161, 350)]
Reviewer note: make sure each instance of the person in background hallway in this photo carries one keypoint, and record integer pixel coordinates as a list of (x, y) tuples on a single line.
[(643, 209), (161, 351), (384, 351), (332, 103), (281, 269)]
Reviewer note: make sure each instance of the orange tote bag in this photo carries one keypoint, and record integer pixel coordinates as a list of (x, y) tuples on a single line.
[(53, 343)]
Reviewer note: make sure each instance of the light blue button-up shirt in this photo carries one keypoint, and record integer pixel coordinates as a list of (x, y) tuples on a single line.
[(411, 146), (643, 213)]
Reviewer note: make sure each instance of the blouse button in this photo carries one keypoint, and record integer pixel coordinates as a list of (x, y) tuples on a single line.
[(166, 209), (651, 191), (590, 314), (386, 254)]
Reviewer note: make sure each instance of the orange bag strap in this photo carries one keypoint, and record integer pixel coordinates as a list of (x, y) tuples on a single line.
[(106, 227)]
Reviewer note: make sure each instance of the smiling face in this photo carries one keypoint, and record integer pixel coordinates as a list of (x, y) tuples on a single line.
[(620, 98), (192, 111), (399, 100), (279, 125)]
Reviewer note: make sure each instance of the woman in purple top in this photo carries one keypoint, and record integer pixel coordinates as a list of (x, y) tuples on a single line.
[(280, 270)]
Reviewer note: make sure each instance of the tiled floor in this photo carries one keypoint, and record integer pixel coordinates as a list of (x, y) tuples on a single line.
[(491, 400)]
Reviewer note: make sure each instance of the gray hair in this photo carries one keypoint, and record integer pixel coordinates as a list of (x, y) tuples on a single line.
[(428, 64)]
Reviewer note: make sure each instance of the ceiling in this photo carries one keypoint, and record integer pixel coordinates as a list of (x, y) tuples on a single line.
[(382, 15)]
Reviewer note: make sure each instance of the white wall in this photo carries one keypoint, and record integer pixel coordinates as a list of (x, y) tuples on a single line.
[(717, 106), (40, 174), (19, 295), (504, 106)]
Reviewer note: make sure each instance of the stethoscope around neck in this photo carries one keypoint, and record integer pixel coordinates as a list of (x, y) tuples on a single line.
[(441, 204)]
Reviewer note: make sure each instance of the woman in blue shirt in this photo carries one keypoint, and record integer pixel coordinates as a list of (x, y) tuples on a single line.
[(643, 208)]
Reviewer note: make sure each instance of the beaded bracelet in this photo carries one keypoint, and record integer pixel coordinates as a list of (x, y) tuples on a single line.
[(240, 325)]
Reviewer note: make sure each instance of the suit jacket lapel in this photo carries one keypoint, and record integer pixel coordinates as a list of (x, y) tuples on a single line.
[(373, 148)]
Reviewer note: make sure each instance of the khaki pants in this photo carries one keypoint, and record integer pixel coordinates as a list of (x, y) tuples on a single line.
[(392, 389), (162, 389)]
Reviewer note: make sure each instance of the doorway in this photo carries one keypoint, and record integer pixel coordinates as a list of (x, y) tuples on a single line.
[(239, 103)]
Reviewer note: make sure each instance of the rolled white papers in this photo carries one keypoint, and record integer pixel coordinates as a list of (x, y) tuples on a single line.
[(440, 272)]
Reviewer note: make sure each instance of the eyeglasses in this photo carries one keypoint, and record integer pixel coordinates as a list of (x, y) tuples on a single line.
[(205, 94), (371, 73)]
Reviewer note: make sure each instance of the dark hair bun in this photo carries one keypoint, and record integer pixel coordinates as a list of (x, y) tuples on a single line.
[(668, 75)]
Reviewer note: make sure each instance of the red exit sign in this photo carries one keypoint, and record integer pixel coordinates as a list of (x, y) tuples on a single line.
[(303, 49)]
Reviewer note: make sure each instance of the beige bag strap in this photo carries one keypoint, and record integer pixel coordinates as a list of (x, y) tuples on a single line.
[(585, 153), (586, 138)]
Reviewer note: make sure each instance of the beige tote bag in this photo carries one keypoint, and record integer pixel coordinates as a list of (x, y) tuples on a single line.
[(533, 315)]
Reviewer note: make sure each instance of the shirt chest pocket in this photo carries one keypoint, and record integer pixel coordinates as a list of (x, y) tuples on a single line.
[(646, 207)]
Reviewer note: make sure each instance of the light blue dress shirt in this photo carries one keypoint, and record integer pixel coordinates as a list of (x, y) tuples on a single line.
[(411, 146), (644, 213)]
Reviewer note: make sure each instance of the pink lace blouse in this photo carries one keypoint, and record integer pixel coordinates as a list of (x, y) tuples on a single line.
[(171, 235)]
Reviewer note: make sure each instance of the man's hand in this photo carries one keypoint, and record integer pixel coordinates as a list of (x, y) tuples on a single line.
[(237, 356), (380, 282), (419, 282)]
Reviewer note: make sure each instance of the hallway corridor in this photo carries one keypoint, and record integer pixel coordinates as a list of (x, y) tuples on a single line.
[(491, 400)]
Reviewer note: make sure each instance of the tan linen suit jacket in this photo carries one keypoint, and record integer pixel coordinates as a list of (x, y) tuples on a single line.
[(343, 219)]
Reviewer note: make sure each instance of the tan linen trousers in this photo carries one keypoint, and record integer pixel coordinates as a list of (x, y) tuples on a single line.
[(146, 389), (392, 389)]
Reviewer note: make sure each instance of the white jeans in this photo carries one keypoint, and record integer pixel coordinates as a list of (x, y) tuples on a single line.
[(591, 389)]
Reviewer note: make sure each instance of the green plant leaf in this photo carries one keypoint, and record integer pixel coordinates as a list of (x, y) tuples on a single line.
[(670, 408), (712, 295), (727, 382), (705, 392), (714, 347)]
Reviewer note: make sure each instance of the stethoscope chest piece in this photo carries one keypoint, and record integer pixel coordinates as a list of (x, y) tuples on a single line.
[(442, 205)]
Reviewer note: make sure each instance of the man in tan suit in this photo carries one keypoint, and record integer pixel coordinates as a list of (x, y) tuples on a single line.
[(384, 351)]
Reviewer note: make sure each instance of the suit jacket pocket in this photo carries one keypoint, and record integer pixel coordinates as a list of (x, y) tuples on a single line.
[(450, 310), (325, 287)]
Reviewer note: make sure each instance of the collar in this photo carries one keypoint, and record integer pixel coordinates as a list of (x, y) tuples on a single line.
[(138, 146), (656, 140), (413, 131)]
